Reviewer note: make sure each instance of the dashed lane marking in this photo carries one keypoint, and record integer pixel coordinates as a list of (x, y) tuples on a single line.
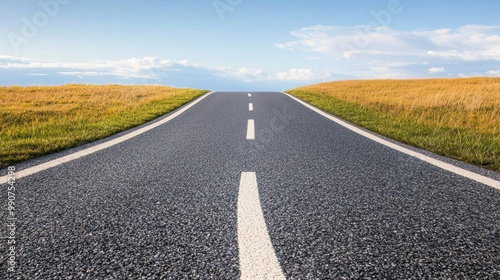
[(256, 253), (251, 130)]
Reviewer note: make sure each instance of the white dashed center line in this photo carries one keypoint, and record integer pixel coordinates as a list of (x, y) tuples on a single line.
[(250, 107), (257, 257), (251, 130), (249, 95)]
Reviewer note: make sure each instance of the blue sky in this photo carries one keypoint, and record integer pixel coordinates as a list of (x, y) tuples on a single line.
[(244, 44)]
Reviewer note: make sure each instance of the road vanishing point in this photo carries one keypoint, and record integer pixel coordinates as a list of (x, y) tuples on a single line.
[(260, 185)]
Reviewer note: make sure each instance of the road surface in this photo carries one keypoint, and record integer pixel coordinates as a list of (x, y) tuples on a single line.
[(250, 185)]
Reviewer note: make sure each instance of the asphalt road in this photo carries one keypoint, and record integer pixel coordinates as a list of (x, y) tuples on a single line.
[(335, 204)]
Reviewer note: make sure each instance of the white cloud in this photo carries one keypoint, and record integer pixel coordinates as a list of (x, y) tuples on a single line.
[(155, 70), (247, 75), (349, 41), (470, 42), (254, 75), (88, 73), (495, 73), (377, 52), (289, 45), (296, 74), (144, 68), (436, 70), (313, 58)]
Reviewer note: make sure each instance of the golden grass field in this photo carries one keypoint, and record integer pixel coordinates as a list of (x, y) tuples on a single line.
[(459, 118), (36, 121)]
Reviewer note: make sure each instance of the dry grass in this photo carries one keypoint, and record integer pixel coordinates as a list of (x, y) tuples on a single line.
[(39, 120), (459, 118)]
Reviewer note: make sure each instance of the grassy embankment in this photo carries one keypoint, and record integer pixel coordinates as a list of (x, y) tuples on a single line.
[(458, 118), (36, 121)]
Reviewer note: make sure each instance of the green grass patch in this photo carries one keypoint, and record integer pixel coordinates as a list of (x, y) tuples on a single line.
[(37, 121), (472, 146)]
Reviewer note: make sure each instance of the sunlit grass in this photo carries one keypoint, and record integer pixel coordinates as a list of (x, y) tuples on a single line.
[(37, 121), (459, 118)]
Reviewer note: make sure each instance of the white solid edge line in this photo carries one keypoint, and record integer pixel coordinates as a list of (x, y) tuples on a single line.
[(441, 164), (250, 107), (251, 130), (91, 150), (256, 254)]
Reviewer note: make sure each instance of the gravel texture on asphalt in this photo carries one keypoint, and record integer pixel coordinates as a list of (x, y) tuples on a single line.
[(337, 205), (342, 206)]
